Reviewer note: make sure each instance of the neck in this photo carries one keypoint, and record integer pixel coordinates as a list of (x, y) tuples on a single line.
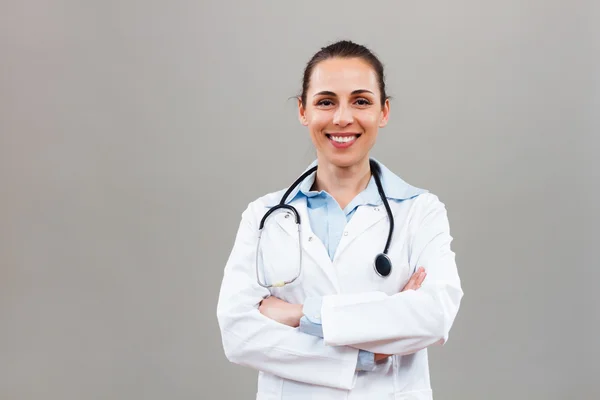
[(342, 183)]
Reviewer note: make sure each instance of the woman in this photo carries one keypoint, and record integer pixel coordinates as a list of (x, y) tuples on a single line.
[(342, 326)]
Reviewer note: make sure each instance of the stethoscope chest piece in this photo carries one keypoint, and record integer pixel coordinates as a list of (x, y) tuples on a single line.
[(383, 265)]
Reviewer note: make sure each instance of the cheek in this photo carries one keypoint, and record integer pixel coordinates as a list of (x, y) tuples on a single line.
[(318, 121), (368, 120)]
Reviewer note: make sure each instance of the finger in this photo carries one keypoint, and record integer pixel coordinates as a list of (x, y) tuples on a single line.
[(417, 275), (416, 280), (412, 282), (421, 278), (411, 285)]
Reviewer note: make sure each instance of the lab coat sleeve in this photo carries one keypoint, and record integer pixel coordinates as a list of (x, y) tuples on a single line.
[(408, 321), (312, 306), (253, 340)]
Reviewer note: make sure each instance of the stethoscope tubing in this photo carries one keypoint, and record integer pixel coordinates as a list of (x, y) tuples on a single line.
[(382, 263)]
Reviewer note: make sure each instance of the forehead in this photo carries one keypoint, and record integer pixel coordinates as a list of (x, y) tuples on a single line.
[(343, 75)]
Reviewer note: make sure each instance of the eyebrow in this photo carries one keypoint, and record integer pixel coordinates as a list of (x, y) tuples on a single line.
[(355, 92)]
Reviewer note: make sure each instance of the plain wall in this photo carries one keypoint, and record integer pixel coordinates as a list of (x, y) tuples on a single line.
[(133, 135)]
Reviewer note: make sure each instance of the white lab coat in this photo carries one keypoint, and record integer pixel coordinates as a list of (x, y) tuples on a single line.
[(361, 310)]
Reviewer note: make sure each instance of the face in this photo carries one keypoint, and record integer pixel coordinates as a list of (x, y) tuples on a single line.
[(343, 111)]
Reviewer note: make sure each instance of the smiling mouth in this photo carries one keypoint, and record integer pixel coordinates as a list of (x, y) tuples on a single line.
[(342, 138)]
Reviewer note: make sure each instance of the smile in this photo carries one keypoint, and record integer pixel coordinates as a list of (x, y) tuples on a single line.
[(342, 141)]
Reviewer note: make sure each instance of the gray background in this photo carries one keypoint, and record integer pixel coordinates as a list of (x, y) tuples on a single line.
[(133, 135)]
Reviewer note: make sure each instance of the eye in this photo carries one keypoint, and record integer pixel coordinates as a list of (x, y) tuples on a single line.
[(363, 102), (325, 103)]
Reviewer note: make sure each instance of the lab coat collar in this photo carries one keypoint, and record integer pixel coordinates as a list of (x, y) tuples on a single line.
[(395, 188)]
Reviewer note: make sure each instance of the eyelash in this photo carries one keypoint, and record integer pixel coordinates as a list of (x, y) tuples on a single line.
[(368, 103)]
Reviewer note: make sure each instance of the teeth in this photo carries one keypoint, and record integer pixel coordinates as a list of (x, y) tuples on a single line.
[(343, 139)]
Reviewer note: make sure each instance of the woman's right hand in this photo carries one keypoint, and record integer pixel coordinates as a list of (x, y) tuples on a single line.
[(413, 283)]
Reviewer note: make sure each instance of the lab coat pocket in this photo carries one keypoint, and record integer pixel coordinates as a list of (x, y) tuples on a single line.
[(278, 259), (278, 256)]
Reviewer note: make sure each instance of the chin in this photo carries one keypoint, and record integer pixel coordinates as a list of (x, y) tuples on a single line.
[(345, 160)]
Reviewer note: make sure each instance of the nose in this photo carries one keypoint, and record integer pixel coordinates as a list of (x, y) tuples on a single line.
[(343, 116)]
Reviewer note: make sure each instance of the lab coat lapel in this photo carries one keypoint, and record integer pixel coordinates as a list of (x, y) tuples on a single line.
[(285, 219), (364, 218), (311, 244)]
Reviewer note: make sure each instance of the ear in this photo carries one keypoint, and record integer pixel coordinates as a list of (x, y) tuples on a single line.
[(385, 114), (302, 113)]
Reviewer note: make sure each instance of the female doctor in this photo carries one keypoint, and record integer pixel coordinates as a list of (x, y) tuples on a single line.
[(336, 286)]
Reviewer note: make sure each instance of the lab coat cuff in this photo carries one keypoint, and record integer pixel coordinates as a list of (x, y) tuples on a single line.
[(366, 361), (310, 328), (312, 309)]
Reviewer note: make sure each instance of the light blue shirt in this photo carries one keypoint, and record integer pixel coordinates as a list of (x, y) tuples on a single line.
[(328, 221)]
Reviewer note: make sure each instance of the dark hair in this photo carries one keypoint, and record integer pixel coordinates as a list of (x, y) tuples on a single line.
[(344, 49)]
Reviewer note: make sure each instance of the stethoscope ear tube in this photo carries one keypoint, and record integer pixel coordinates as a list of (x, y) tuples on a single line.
[(279, 207)]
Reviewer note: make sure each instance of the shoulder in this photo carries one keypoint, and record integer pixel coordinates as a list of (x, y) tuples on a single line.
[(428, 209), (258, 207), (428, 200), (418, 205)]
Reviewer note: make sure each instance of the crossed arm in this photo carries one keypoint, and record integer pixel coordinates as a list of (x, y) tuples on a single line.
[(290, 314)]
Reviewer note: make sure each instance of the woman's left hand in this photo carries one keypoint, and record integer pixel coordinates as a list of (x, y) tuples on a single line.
[(281, 311)]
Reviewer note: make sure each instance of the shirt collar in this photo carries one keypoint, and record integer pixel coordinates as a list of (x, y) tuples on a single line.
[(395, 188)]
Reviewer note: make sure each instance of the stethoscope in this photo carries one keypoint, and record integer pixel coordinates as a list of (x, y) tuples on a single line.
[(382, 263)]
